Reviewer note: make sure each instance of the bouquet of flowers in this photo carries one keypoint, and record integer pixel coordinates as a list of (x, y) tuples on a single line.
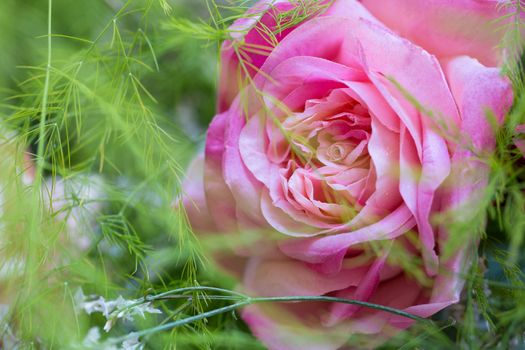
[(348, 176)]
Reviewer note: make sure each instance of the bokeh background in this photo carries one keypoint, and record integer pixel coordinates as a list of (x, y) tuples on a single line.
[(131, 91)]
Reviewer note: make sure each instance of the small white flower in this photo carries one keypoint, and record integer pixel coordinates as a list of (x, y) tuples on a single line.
[(109, 324), (120, 308)]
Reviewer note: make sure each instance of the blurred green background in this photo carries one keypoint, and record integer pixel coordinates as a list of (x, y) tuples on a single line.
[(129, 100)]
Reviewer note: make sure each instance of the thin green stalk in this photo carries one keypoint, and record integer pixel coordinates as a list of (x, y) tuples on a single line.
[(43, 115), (40, 163), (193, 289), (182, 322), (32, 259), (339, 300), (248, 301)]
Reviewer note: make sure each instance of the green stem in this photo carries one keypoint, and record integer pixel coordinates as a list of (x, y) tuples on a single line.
[(36, 212), (43, 114), (248, 301), (342, 301), (192, 289), (182, 322)]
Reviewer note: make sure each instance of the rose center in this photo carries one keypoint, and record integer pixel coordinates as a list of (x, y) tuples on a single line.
[(338, 151)]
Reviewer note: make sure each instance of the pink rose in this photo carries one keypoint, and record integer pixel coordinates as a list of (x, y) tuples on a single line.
[(350, 134)]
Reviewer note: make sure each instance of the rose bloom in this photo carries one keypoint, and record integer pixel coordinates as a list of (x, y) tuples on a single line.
[(356, 127)]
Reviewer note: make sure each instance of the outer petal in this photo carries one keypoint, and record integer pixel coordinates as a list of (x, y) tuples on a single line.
[(232, 192), (279, 330), (285, 276), (446, 28), (435, 169), (481, 94), (446, 291), (219, 198), (194, 199), (257, 45), (478, 90), (319, 249), (363, 292)]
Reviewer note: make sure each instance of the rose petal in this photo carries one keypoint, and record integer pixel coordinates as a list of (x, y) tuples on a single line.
[(446, 28), (290, 277), (318, 249), (244, 187), (363, 292), (249, 44), (194, 199), (219, 198)]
